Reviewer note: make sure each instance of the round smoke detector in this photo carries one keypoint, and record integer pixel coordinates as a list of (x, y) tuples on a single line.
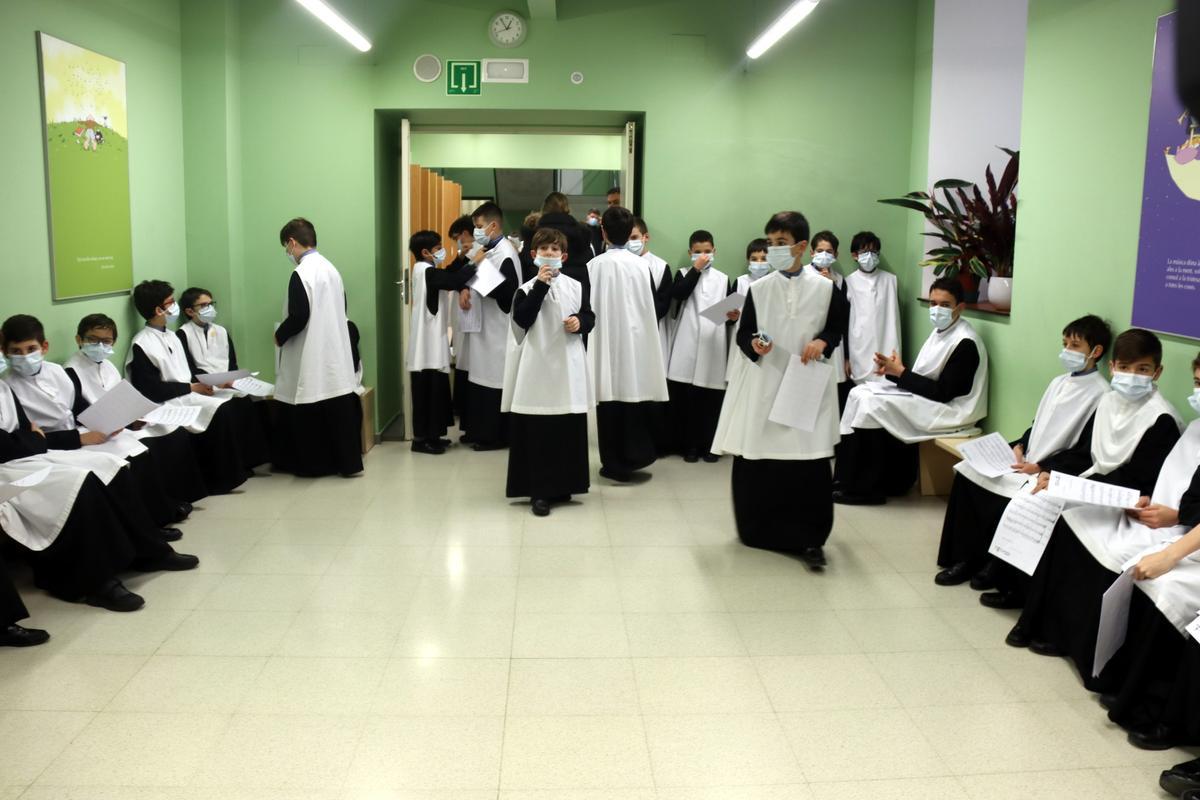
[(576, 78), (427, 68)]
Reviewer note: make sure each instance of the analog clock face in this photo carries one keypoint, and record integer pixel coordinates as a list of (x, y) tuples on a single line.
[(507, 29)]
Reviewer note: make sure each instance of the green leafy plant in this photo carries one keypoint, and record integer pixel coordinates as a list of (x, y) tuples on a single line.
[(977, 234)]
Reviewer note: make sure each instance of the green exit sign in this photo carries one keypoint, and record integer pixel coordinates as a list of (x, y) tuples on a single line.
[(463, 77)]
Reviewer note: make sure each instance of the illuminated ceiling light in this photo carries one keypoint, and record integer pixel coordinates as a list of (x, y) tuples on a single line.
[(787, 20), (324, 12)]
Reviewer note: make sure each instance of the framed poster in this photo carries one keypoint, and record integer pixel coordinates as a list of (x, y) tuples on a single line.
[(1166, 293), (86, 131)]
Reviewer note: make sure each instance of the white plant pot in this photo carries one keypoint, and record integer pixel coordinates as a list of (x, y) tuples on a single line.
[(1000, 293)]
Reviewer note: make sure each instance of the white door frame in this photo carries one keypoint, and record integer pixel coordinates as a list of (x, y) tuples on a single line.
[(404, 284)]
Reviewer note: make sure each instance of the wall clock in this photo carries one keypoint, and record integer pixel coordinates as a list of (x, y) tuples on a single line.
[(507, 29)]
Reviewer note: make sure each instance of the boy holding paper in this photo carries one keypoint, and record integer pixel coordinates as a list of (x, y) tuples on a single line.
[(696, 368), (943, 394), (977, 501), (1133, 431), (547, 390), (781, 478)]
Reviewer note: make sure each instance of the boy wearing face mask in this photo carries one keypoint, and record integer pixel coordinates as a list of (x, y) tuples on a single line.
[(781, 476), (428, 350), (488, 425), (824, 257), (1063, 420), (696, 367), (458, 272), (594, 230), (1134, 430), (946, 395), (547, 390), (874, 309), (157, 367), (756, 268)]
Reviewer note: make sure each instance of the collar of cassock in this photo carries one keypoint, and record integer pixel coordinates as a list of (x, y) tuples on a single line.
[(789, 274)]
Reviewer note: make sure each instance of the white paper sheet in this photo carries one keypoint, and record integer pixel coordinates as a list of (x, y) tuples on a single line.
[(886, 388), (125, 444), (10, 490), (116, 408), (1093, 493), (471, 320), (487, 277), (1114, 621), (254, 387), (1194, 629), (180, 416), (222, 378), (988, 455), (1024, 530), (717, 311), (798, 401)]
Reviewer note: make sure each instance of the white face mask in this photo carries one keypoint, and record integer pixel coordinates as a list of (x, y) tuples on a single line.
[(208, 313), (28, 365), (711, 258), (439, 257), (635, 246), (780, 257), (1073, 360), (593, 221), (172, 313), (97, 352), (480, 236), (548, 261), (823, 259), (758, 269), (1132, 386), (288, 256), (868, 261), (1193, 400), (3, 365), (940, 317)]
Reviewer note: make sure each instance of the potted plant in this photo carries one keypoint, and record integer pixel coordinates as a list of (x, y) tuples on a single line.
[(977, 234)]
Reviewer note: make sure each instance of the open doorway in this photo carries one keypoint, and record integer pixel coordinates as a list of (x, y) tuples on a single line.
[(432, 166)]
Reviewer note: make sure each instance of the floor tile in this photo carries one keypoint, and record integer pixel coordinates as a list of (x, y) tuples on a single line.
[(727, 749), (31, 740), (443, 687), (309, 686), (41, 679), (834, 744), (197, 684), (677, 686), (681, 635), (818, 682), (282, 751), (590, 752), (570, 636), (428, 753), (572, 687)]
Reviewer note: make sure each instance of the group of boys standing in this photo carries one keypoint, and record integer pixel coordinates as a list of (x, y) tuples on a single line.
[(106, 503)]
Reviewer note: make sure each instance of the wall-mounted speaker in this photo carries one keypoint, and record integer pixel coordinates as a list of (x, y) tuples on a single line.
[(427, 68)]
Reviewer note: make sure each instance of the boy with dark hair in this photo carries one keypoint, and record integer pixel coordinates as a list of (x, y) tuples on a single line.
[(461, 269), (874, 309), (546, 386), (1063, 419), (660, 278), (157, 367), (597, 235), (207, 345), (824, 257), (428, 356), (943, 394), (318, 428), (790, 311), (624, 356), (1134, 430), (696, 367), (496, 255)]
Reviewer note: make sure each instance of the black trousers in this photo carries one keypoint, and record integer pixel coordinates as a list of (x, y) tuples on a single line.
[(12, 610), (316, 439), (547, 456), (174, 458), (432, 411), (694, 412), (219, 451), (972, 516), (872, 462), (487, 425), (462, 387), (783, 505), (626, 435), (253, 430)]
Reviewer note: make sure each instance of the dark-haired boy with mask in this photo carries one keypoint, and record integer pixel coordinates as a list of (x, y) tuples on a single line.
[(874, 309)]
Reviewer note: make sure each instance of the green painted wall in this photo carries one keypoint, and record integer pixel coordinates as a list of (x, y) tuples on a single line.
[(517, 151), (145, 34)]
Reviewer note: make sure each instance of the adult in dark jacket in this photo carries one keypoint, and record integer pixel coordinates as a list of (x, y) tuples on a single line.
[(556, 213)]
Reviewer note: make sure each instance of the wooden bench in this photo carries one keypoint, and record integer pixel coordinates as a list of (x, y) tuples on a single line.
[(938, 457)]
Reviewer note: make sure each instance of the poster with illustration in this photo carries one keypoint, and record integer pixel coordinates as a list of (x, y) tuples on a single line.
[(87, 170), (1166, 294)]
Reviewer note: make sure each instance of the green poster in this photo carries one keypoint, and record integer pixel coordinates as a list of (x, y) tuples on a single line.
[(87, 170)]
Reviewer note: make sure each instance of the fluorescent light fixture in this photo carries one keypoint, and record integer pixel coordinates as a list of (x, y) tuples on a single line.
[(787, 20), (322, 11)]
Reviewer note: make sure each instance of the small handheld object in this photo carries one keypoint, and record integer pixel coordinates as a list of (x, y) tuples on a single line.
[(763, 338)]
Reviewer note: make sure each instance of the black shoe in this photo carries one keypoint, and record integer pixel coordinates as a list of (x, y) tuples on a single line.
[(691, 456), (847, 499), (1154, 737), (711, 458), (428, 448), (19, 636), (113, 596), (484, 447), (182, 512), (1108, 701), (1017, 637), (562, 498), (1181, 779), (613, 475), (814, 558), (1044, 648), (541, 508), (444, 442), (954, 575), (174, 562), (1001, 600), (170, 534), (986, 578), (467, 439)]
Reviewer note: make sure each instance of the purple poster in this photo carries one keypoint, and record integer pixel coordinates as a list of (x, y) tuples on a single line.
[(1166, 294)]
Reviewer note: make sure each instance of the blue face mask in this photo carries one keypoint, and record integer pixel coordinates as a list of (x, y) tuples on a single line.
[(1073, 360), (208, 313), (29, 365), (758, 269), (439, 257), (480, 236), (1131, 386), (940, 317), (97, 352), (712, 258), (1194, 400), (593, 221), (548, 261)]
